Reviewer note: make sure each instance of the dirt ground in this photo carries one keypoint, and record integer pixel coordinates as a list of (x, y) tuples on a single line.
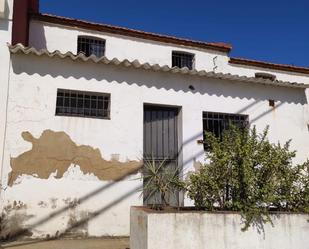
[(91, 243)]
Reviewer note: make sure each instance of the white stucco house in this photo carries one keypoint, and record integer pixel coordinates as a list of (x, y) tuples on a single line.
[(82, 103)]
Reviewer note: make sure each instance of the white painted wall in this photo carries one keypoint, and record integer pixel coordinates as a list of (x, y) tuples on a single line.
[(5, 37), (2, 8), (57, 37), (202, 230), (33, 87), (250, 72), (64, 38)]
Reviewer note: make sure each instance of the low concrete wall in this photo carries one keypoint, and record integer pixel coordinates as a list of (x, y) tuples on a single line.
[(170, 230)]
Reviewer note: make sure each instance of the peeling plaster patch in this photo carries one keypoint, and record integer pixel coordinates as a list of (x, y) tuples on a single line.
[(56, 152), (74, 173), (23, 177)]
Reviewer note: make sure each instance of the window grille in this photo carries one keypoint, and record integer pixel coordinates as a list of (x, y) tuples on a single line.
[(91, 46), (216, 122), (182, 59), (82, 104)]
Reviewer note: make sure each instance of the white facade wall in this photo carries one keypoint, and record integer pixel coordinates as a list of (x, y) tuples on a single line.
[(56, 37), (34, 81), (5, 37), (33, 89), (249, 71), (64, 38), (2, 8)]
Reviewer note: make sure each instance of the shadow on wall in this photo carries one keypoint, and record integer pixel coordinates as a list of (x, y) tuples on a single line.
[(66, 68), (160, 80), (37, 37), (20, 233), (4, 26)]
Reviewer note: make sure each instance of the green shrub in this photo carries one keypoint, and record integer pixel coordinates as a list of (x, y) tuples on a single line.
[(245, 172)]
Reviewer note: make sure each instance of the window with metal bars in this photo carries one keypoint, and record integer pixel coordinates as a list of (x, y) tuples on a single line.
[(83, 104), (91, 46), (217, 122), (182, 59)]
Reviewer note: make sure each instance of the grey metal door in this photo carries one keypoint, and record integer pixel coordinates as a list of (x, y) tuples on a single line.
[(161, 145)]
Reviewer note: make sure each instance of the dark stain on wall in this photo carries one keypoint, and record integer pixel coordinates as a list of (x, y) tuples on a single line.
[(12, 220), (74, 230), (53, 202), (55, 151), (42, 204), (71, 203), (14, 217)]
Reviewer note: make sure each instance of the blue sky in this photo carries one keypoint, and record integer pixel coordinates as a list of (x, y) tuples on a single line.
[(274, 31)]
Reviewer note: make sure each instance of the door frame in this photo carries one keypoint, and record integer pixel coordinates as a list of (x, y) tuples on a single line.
[(179, 138)]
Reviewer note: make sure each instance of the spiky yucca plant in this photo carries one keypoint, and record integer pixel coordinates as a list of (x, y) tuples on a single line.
[(160, 181)]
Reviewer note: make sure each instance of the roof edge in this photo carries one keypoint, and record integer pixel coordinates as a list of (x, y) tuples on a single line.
[(268, 65), (222, 47), (19, 48)]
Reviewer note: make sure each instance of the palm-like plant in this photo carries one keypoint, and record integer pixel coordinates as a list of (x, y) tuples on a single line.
[(160, 181)]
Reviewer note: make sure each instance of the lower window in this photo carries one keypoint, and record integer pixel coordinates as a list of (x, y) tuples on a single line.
[(82, 104), (217, 122)]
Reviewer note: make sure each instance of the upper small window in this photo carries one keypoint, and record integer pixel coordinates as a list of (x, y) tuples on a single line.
[(182, 59), (91, 46)]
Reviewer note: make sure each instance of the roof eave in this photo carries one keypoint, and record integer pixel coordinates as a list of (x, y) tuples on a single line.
[(268, 65), (221, 47), (19, 48)]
